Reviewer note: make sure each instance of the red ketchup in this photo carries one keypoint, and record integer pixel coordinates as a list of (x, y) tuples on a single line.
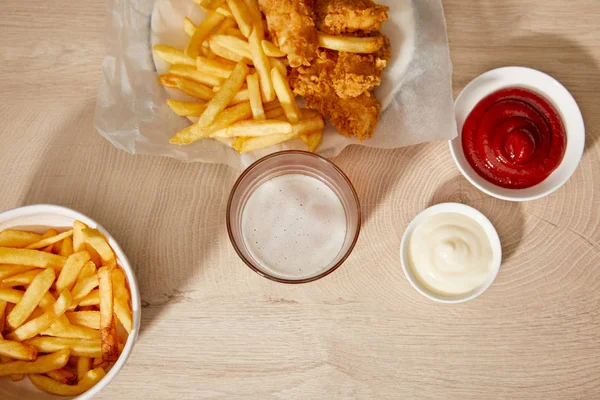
[(514, 138)]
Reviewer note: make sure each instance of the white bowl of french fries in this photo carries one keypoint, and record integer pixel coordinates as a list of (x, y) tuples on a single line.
[(69, 304)]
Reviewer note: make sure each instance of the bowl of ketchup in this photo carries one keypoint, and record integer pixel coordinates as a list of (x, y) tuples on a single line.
[(521, 133)]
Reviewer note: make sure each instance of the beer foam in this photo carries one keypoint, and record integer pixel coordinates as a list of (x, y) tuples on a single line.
[(294, 226)]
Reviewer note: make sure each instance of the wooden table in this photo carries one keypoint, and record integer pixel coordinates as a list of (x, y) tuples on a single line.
[(214, 329)]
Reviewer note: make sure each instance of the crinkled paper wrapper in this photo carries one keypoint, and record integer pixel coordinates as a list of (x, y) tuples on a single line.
[(131, 112)]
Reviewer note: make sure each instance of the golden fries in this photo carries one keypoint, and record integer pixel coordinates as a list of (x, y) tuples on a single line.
[(10, 296), (258, 128), (286, 96), (172, 55), (186, 108), (23, 279), (31, 258), (202, 31), (224, 96), (7, 270), (231, 38), (262, 65), (245, 145), (90, 319), (277, 63), (258, 113), (83, 288), (94, 238), (234, 44), (108, 333), (191, 72), (33, 295), (50, 240), (78, 347), (121, 300), (37, 325), (271, 50), (17, 351), (41, 365), (213, 67), (50, 385), (66, 248), (84, 364), (189, 28), (68, 275), (242, 16), (227, 117), (92, 299), (63, 376), (36, 322), (187, 86), (14, 238), (350, 44)]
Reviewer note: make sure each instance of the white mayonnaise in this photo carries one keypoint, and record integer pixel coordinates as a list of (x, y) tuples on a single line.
[(294, 226), (450, 253)]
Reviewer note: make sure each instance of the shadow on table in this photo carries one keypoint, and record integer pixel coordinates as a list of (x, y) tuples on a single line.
[(566, 61), (372, 173), (133, 197)]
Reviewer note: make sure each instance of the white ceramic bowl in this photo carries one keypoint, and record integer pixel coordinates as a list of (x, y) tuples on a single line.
[(488, 229), (542, 84), (38, 218)]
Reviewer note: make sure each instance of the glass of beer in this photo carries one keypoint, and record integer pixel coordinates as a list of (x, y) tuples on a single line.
[(293, 217)]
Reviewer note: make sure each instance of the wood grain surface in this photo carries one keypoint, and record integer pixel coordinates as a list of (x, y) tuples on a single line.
[(214, 329)]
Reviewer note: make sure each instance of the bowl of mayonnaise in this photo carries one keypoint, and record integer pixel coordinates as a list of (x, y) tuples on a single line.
[(451, 253)]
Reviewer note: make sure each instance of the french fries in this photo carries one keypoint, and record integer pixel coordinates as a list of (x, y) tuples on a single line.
[(186, 108), (172, 55), (14, 238), (41, 365), (262, 65), (271, 50), (202, 31), (78, 347), (84, 364), (90, 319), (32, 258), (50, 240), (68, 275), (37, 325), (187, 86), (191, 72), (31, 298), (11, 270), (350, 44), (17, 351), (108, 332), (224, 96), (213, 67), (94, 238), (50, 385), (242, 16), (246, 145), (258, 128), (286, 96), (277, 63), (253, 106), (63, 376), (234, 44), (121, 300), (22, 279), (258, 112), (44, 333)]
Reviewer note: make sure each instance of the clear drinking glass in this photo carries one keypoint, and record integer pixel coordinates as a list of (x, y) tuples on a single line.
[(292, 162)]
